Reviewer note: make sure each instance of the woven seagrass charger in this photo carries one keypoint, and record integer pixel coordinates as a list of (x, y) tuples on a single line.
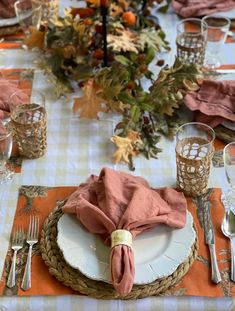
[(74, 279)]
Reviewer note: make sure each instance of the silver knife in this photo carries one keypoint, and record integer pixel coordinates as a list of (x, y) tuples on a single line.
[(210, 241)]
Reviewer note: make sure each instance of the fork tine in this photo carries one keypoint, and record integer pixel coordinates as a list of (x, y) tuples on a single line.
[(37, 227)]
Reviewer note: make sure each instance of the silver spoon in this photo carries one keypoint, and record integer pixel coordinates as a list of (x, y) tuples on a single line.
[(228, 229)]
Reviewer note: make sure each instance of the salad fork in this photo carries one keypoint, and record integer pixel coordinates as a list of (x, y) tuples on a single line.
[(32, 238), (16, 244)]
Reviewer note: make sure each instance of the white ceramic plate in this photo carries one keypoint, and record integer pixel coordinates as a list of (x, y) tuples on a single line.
[(157, 253), (8, 21)]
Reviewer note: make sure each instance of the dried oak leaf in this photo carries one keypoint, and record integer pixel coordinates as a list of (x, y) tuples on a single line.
[(125, 41), (126, 146), (90, 103), (94, 3), (36, 39)]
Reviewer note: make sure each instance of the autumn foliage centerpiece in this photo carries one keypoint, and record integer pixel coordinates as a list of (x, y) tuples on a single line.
[(107, 47)]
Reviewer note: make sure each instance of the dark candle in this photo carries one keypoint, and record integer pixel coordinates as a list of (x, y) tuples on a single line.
[(104, 12)]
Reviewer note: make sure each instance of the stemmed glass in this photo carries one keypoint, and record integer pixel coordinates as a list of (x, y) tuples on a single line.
[(6, 142), (229, 165), (29, 13)]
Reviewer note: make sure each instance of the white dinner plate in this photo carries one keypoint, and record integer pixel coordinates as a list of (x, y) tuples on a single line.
[(157, 253), (8, 21)]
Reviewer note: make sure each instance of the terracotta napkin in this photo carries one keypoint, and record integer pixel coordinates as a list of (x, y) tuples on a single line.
[(7, 8), (190, 8), (117, 200), (213, 103), (7, 88)]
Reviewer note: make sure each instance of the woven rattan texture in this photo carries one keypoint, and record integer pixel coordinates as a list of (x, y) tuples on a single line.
[(225, 134), (29, 130), (77, 281), (9, 30), (193, 166), (191, 49)]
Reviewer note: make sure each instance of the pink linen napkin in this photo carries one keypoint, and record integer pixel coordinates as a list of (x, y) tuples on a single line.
[(7, 88), (213, 103), (191, 8), (7, 8), (118, 200)]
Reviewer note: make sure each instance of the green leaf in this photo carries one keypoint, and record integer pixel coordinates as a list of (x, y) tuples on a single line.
[(135, 113), (123, 60), (149, 55), (126, 98)]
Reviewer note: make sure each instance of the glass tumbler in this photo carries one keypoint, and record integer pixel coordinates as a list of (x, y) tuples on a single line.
[(28, 118), (194, 152)]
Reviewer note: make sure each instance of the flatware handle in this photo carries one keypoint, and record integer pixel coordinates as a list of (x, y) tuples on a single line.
[(215, 274), (26, 281), (11, 277), (232, 240)]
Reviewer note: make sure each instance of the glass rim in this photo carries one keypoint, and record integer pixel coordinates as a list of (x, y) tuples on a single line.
[(209, 128), (32, 1), (42, 104), (201, 23), (216, 16), (226, 148)]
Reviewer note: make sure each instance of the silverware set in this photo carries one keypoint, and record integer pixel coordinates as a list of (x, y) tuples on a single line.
[(18, 240)]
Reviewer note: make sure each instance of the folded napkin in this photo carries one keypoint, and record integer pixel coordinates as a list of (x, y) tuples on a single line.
[(7, 8), (213, 103), (118, 200), (191, 8), (7, 88)]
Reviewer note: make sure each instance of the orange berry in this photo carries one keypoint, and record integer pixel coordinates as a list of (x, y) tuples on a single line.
[(129, 18), (98, 54), (87, 21)]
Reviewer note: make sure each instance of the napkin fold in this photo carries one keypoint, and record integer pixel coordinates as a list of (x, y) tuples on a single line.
[(7, 88), (191, 8), (7, 8), (213, 103), (117, 200)]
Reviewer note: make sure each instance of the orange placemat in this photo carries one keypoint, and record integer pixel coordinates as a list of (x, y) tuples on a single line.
[(25, 78), (37, 200), (13, 41)]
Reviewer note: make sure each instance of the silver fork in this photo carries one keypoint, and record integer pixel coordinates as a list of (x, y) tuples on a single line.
[(16, 244), (32, 238)]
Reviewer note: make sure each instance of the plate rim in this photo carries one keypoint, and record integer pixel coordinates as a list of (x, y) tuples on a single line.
[(104, 274)]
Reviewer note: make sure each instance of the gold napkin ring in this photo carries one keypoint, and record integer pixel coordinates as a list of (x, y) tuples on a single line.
[(121, 236)]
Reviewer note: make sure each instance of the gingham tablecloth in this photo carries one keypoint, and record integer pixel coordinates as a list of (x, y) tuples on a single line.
[(77, 148)]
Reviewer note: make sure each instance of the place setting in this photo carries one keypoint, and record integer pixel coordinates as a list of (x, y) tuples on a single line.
[(125, 196)]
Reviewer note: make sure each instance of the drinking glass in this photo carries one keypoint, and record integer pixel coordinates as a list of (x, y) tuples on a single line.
[(29, 13), (28, 119), (6, 141), (217, 29), (191, 41), (229, 166), (194, 152)]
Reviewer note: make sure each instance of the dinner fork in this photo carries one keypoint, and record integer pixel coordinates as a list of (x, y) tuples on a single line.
[(16, 244), (32, 238)]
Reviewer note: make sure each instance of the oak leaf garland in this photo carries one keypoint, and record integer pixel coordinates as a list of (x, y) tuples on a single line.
[(127, 147), (90, 103), (124, 40)]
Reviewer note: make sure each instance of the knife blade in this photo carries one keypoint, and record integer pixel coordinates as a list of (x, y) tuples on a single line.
[(210, 241)]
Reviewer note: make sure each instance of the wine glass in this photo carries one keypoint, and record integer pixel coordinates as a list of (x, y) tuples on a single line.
[(6, 141), (229, 165), (29, 13)]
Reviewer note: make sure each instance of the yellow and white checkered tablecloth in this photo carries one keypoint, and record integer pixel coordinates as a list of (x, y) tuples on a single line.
[(76, 149)]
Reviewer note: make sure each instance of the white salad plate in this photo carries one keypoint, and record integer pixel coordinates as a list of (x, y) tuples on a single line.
[(8, 21), (157, 253)]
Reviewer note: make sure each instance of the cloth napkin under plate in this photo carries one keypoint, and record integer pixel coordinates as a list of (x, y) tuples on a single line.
[(198, 8), (213, 103), (117, 200)]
